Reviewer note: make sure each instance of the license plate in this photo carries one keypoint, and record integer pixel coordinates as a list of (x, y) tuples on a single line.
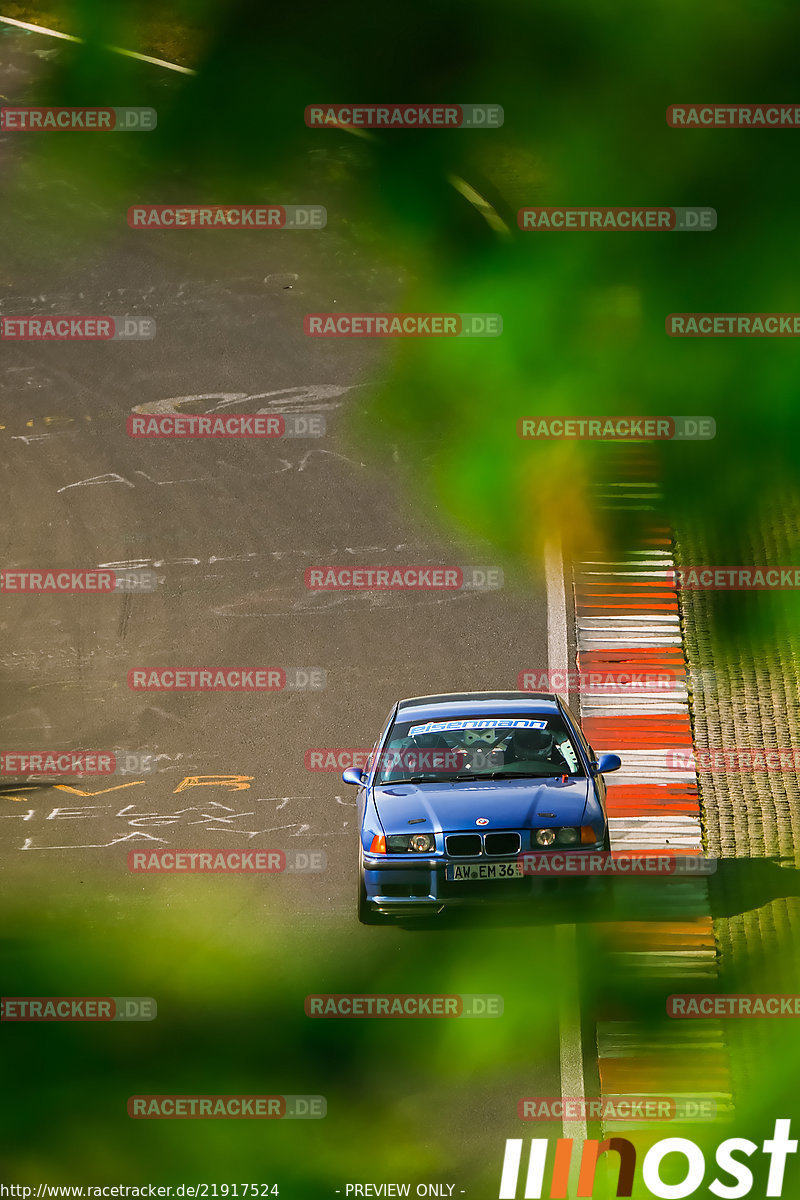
[(460, 871)]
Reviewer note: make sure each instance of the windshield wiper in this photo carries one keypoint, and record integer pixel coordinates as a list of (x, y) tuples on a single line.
[(527, 775), (506, 775), (441, 777), (412, 779), (477, 775)]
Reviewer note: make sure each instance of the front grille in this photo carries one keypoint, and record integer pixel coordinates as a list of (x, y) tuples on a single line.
[(463, 845), (469, 845), (501, 843)]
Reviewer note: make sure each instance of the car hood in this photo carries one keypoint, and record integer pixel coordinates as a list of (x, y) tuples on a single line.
[(506, 803)]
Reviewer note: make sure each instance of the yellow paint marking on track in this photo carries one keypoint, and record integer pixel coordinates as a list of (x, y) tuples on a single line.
[(37, 422), (65, 787), (237, 783), (55, 420)]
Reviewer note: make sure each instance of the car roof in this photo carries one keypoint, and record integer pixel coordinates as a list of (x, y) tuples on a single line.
[(475, 704)]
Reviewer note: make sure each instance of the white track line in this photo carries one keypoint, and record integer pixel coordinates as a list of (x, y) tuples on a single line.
[(573, 1085), (556, 608), (68, 37)]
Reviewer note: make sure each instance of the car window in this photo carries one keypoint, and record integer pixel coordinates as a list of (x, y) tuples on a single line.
[(576, 726), (524, 744)]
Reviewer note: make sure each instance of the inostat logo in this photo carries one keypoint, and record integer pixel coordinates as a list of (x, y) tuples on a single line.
[(687, 1160)]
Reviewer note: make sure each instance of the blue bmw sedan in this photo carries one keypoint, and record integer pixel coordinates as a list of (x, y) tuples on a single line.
[(461, 790)]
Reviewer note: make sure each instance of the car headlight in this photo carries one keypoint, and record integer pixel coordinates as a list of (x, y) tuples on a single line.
[(568, 835), (418, 843)]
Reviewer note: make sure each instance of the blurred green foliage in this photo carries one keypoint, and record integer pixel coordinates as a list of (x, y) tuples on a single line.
[(584, 91), (230, 964)]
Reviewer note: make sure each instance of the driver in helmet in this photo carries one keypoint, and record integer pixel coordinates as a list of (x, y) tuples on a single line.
[(534, 746)]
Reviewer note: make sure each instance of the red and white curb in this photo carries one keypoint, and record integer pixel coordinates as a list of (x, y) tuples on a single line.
[(628, 619)]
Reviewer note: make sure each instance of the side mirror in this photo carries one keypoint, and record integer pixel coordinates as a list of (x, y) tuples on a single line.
[(356, 775), (608, 762)]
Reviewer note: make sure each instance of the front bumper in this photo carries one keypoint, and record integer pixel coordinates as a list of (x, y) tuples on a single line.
[(395, 886)]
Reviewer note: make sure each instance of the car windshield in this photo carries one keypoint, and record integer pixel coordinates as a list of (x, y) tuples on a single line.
[(451, 749)]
